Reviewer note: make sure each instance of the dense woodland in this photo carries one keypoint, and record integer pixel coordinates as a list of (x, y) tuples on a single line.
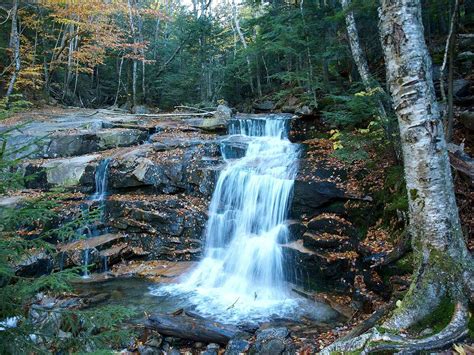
[(385, 87)]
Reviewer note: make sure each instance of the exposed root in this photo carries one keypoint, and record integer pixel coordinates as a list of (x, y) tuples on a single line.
[(375, 340)]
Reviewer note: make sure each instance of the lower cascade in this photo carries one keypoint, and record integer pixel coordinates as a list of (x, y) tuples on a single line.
[(241, 276)]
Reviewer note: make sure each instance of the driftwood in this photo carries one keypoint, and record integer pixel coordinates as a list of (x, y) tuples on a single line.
[(192, 327)]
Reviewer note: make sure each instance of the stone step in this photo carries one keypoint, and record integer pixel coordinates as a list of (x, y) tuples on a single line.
[(73, 253)]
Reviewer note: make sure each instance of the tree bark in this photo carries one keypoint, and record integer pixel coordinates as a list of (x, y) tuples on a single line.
[(356, 49), (235, 17), (15, 46), (448, 60), (437, 240), (443, 266)]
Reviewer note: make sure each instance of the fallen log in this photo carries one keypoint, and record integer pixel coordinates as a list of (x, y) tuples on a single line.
[(191, 327), (461, 161), (158, 115)]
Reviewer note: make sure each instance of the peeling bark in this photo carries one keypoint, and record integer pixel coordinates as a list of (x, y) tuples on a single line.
[(437, 239), (443, 265), (15, 46)]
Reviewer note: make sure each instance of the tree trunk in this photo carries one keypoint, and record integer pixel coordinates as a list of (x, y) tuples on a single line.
[(441, 254), (356, 49), (443, 266), (235, 17), (448, 60), (15, 46), (135, 52)]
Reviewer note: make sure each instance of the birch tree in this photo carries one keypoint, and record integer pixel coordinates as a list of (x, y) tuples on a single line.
[(15, 47), (443, 266)]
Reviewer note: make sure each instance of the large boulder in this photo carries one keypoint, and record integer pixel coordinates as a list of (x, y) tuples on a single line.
[(77, 172), (223, 112), (264, 106), (216, 124)]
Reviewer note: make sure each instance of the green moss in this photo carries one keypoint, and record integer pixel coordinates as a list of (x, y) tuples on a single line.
[(438, 319), (413, 194), (470, 325)]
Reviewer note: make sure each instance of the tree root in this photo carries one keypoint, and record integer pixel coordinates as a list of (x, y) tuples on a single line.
[(379, 340)]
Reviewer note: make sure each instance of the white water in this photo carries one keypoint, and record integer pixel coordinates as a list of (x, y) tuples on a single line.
[(241, 274), (101, 179)]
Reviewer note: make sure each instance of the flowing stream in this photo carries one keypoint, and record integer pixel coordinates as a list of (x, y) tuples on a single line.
[(241, 276)]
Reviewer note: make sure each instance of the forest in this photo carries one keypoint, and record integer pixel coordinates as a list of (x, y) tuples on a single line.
[(236, 177)]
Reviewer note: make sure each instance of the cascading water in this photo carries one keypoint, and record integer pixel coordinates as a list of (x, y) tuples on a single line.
[(241, 275), (101, 179), (100, 194)]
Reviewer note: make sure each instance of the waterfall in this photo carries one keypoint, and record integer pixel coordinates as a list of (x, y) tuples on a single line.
[(101, 180), (241, 275)]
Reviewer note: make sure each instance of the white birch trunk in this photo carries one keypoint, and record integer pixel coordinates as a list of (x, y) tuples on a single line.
[(441, 255), (356, 49), (15, 46)]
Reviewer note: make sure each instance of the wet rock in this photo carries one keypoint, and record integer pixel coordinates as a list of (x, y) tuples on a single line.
[(296, 229), (270, 341), (237, 345), (167, 226), (72, 254), (310, 195), (211, 349), (333, 268), (36, 264)]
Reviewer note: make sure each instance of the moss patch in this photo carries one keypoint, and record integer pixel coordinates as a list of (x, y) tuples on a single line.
[(438, 319)]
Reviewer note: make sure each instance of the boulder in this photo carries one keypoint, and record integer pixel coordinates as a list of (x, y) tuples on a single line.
[(264, 106), (271, 341), (73, 172), (304, 111), (212, 124), (140, 109), (112, 138), (466, 56), (237, 345), (223, 112)]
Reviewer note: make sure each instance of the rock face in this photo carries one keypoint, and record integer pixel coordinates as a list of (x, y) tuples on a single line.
[(158, 193), (166, 226)]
